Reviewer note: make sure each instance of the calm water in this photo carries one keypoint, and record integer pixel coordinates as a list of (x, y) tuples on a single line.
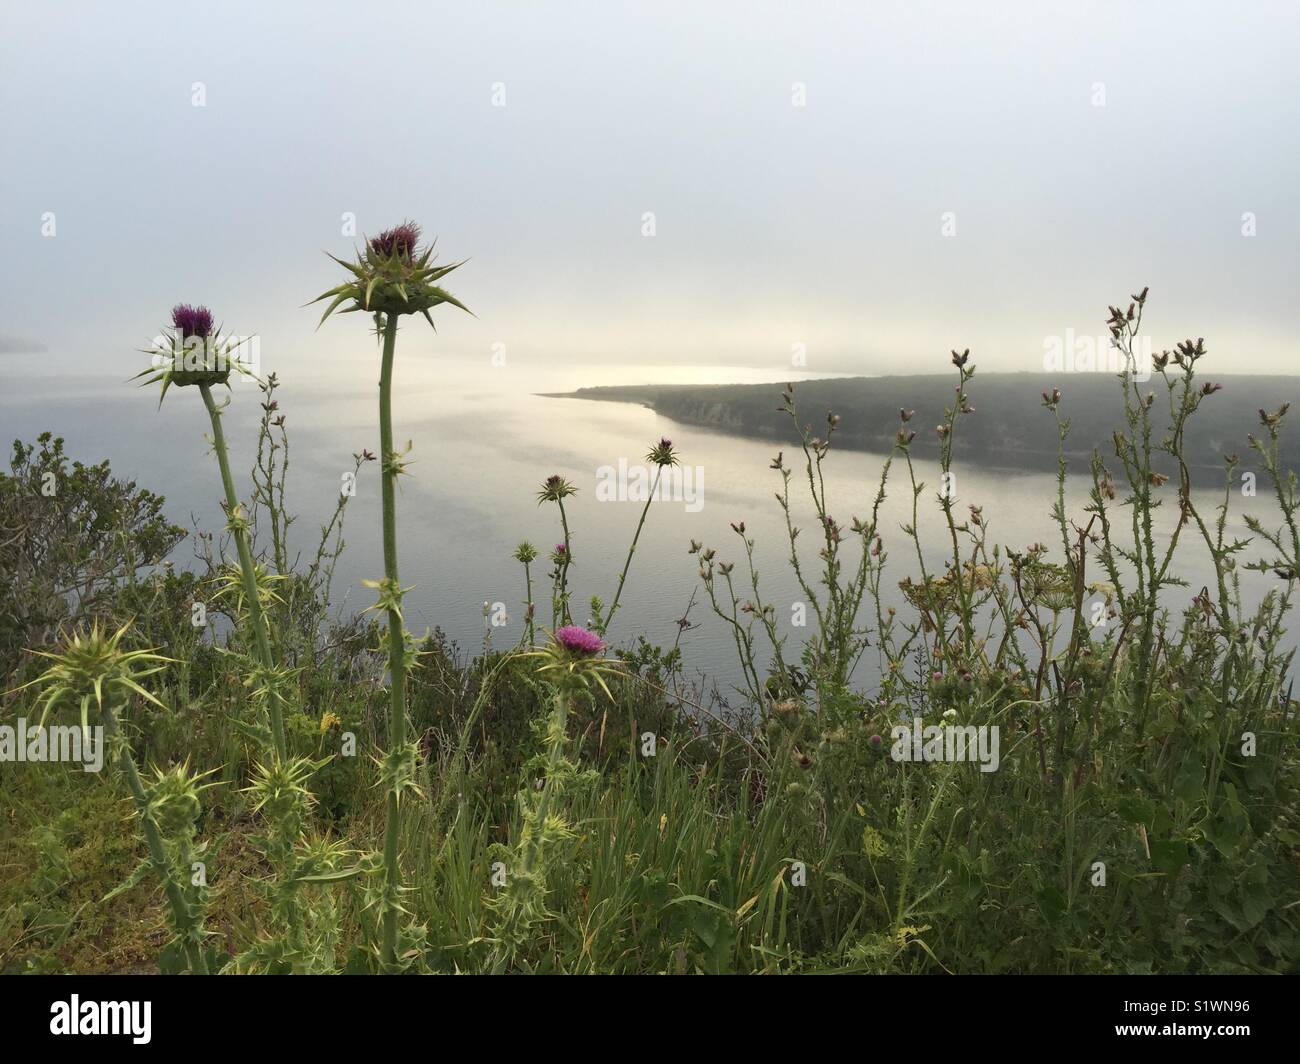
[(483, 443)]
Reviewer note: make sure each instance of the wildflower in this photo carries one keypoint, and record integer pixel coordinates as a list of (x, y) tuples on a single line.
[(661, 454), (554, 489), (905, 415), (328, 720), (192, 321), (579, 640), (1053, 400), (875, 742), (950, 714), (389, 278), (392, 276), (695, 547), (525, 552), (574, 655), (1209, 389), (399, 241), (192, 352), (739, 529)]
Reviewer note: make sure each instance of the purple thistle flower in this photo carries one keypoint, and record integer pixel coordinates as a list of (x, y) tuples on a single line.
[(875, 742), (400, 240), (578, 640), (661, 454), (192, 321)]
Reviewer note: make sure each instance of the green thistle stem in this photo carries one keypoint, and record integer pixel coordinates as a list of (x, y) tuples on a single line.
[(181, 915), (528, 605), (564, 567), (256, 617), (654, 489), (559, 729), (396, 641)]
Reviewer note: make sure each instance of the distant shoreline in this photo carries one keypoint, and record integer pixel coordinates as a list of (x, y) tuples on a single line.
[(1009, 429)]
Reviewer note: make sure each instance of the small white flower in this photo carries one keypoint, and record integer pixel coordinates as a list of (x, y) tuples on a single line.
[(950, 714)]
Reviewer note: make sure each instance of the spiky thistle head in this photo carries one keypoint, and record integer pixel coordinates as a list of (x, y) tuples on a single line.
[(525, 552), (281, 788), (392, 274), (662, 453), (91, 666), (401, 240), (174, 797), (573, 659), (230, 586), (191, 351), (554, 489)]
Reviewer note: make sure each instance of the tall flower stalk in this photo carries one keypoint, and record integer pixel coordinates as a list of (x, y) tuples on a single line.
[(525, 555), (572, 663), (661, 455), (392, 276), (237, 522), (556, 489), (196, 355)]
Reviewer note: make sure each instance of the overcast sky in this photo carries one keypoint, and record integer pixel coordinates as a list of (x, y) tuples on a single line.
[(801, 162)]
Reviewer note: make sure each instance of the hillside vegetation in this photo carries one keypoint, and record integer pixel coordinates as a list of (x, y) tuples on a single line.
[(1006, 434), (290, 791)]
